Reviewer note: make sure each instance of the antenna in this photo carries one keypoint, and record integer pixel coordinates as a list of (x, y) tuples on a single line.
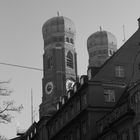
[(123, 33), (100, 28), (58, 13), (31, 106)]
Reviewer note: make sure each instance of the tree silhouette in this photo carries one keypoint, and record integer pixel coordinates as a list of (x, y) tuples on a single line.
[(3, 137), (7, 107)]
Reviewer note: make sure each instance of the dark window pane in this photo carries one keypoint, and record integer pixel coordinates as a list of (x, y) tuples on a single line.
[(69, 60)]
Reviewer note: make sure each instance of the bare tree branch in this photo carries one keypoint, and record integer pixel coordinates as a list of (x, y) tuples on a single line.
[(8, 106), (5, 118), (5, 108), (5, 92), (5, 82), (3, 137)]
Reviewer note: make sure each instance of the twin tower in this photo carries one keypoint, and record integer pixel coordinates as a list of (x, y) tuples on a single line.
[(60, 59)]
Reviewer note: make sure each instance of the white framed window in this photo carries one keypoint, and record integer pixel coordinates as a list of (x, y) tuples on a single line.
[(119, 71), (109, 95)]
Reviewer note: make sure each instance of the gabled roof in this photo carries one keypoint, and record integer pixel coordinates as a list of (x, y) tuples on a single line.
[(131, 47)]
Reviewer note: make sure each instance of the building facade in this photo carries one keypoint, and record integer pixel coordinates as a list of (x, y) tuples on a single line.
[(102, 105)]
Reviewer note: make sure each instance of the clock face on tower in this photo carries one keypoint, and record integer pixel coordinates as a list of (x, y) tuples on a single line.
[(49, 87), (69, 84)]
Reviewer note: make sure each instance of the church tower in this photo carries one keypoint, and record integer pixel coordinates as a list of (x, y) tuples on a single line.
[(101, 45), (59, 62)]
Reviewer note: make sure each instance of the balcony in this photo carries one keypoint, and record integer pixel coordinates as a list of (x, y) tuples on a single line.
[(118, 114)]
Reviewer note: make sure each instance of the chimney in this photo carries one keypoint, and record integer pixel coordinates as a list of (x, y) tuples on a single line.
[(139, 22)]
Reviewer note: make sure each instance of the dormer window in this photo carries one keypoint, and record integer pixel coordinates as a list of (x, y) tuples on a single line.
[(110, 52), (119, 71), (69, 60)]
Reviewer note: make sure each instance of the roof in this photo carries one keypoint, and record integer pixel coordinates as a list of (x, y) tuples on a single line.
[(59, 24), (101, 37)]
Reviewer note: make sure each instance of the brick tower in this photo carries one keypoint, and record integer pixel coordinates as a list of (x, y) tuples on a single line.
[(59, 62)]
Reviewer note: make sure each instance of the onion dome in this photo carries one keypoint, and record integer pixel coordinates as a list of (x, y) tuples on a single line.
[(58, 24), (101, 45), (101, 38)]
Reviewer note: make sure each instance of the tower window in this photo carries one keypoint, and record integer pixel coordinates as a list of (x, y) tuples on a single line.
[(110, 52), (49, 63), (67, 39), (109, 95), (69, 60), (119, 71), (71, 41)]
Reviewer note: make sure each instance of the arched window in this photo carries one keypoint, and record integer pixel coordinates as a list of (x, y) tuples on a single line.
[(69, 60), (49, 63), (71, 41), (67, 39)]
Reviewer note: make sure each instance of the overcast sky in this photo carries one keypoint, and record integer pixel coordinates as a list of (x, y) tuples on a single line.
[(21, 41)]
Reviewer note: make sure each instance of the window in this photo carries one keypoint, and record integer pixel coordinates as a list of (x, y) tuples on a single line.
[(31, 135), (110, 52), (67, 39), (49, 63), (119, 71), (109, 95), (35, 131), (69, 60), (135, 98), (77, 133), (71, 41)]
